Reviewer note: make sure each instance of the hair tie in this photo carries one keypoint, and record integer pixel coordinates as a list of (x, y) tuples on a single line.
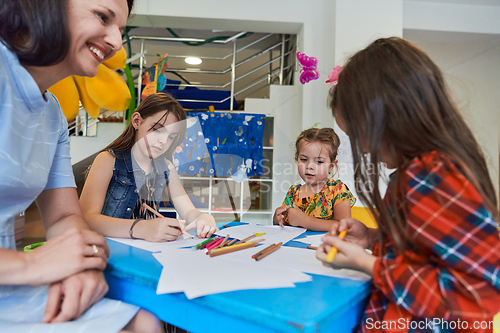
[(333, 77)]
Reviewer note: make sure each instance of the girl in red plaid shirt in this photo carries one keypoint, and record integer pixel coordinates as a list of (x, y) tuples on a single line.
[(436, 252)]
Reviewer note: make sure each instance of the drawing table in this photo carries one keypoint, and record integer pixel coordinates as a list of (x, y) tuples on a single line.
[(325, 304)]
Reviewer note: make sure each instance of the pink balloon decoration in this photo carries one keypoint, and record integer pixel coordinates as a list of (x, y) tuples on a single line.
[(309, 70)]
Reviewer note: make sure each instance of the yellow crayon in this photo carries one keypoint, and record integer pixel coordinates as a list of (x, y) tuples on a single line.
[(333, 251)]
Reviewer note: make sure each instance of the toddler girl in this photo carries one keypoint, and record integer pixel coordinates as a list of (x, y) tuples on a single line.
[(321, 201)]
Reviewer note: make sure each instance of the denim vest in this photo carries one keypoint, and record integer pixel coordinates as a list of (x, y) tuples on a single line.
[(128, 177)]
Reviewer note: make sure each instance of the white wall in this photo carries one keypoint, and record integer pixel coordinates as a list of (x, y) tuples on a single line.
[(471, 64), (481, 78)]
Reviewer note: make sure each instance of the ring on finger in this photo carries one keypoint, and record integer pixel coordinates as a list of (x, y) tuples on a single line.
[(95, 248)]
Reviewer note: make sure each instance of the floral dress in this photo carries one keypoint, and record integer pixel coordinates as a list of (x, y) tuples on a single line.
[(320, 205)]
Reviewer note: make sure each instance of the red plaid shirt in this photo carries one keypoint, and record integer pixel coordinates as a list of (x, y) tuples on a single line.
[(457, 280)]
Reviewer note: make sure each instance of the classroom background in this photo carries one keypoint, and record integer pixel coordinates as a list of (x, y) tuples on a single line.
[(461, 36)]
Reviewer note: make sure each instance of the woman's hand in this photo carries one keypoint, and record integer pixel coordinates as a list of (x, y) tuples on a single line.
[(349, 255), (357, 232), (205, 225), (161, 229), (69, 253), (279, 215), (70, 298)]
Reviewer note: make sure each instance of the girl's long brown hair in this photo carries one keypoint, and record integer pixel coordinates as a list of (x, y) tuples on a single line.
[(392, 93), (159, 102)]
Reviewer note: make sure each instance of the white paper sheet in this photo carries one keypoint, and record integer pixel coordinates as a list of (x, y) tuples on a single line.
[(294, 258), (273, 233), (157, 247), (314, 240), (167, 283), (197, 274)]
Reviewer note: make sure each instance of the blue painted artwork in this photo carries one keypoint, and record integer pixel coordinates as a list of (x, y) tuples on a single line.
[(222, 144)]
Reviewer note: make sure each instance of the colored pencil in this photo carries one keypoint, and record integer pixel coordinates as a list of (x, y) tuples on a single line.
[(232, 242), (197, 246), (215, 239), (312, 247), (212, 250), (260, 252), (221, 244), (145, 205), (233, 248), (217, 242), (266, 253), (333, 251), (246, 239)]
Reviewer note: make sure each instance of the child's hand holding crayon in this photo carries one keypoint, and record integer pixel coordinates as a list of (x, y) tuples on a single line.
[(348, 255), (357, 232), (344, 246)]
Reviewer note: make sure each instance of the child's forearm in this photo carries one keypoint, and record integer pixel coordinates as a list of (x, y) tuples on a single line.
[(315, 224), (192, 215), (111, 226), (368, 263)]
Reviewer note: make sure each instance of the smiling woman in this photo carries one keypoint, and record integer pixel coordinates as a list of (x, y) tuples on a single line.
[(41, 43)]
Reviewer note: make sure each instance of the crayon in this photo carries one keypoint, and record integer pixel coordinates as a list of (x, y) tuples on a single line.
[(333, 251)]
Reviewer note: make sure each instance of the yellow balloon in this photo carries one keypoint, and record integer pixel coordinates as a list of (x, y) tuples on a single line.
[(88, 104), (67, 95), (118, 60), (108, 89)]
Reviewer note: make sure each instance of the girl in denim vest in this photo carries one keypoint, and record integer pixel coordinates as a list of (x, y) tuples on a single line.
[(136, 169)]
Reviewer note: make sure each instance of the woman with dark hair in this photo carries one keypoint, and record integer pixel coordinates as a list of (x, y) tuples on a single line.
[(436, 253), (137, 169), (51, 288)]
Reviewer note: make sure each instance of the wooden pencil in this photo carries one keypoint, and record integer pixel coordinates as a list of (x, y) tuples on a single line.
[(218, 248), (221, 244), (260, 252), (267, 250), (312, 247), (214, 239), (258, 240), (246, 239), (233, 248), (199, 246), (265, 254), (232, 242), (215, 244), (145, 205)]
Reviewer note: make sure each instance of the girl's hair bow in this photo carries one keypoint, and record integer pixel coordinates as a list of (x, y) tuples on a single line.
[(333, 77)]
